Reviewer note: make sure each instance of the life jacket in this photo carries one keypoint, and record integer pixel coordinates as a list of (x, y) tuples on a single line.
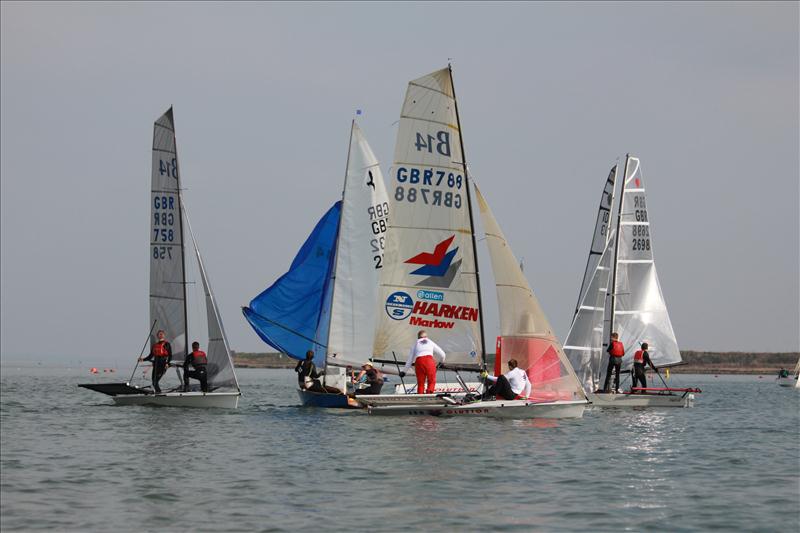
[(199, 358), (638, 357), (374, 377), (617, 349), (160, 349)]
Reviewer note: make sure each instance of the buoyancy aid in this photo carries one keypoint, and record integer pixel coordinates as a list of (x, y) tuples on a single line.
[(199, 358), (160, 349), (617, 349), (638, 357)]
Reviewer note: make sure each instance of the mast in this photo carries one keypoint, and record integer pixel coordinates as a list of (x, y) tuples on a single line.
[(183, 249), (471, 221), (616, 244), (336, 248)]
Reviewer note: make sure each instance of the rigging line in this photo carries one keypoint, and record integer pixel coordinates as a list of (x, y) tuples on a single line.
[(286, 328), (142, 352)]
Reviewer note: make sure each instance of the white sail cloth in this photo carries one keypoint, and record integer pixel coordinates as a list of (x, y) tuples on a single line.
[(359, 255), (640, 312), (525, 331), (429, 278), (167, 288)]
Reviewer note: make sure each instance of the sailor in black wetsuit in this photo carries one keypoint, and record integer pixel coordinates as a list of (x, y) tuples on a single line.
[(373, 377), (640, 359), (199, 362), (307, 369), (160, 355)]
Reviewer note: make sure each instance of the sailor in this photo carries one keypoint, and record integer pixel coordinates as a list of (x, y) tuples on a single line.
[(372, 377), (640, 359), (307, 375), (783, 373), (513, 385), (421, 356), (160, 355), (199, 361), (616, 351)]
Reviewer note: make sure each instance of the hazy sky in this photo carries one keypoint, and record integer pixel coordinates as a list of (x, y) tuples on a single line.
[(550, 95)]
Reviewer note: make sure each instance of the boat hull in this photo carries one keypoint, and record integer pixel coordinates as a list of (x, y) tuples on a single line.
[(786, 382), (326, 400), (641, 400), (516, 409), (408, 399), (226, 400)]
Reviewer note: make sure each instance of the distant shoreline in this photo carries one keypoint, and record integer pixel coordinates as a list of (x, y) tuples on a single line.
[(696, 362)]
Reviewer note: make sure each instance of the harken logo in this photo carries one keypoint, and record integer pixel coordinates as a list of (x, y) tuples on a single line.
[(399, 305), (438, 267)]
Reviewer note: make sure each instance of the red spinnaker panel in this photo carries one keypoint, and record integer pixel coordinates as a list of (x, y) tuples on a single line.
[(539, 358)]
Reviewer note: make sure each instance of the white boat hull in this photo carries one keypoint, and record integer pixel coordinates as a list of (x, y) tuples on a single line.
[(786, 382), (517, 409), (641, 400), (226, 400), (408, 399)]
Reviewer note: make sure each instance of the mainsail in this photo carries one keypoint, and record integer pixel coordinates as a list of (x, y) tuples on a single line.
[(220, 363), (286, 315), (639, 312), (524, 329), (584, 342), (359, 255), (430, 278), (167, 268), (601, 234)]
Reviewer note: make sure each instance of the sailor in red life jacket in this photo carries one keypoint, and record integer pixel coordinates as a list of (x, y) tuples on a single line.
[(513, 385), (160, 355), (616, 351), (421, 356), (199, 361), (640, 359)]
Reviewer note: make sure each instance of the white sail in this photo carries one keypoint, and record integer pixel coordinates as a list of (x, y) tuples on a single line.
[(584, 342), (429, 280), (525, 331), (359, 255), (167, 288), (220, 363), (601, 233), (640, 312)]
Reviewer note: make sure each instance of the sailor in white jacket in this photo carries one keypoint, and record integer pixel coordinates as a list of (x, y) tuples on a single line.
[(513, 385), (421, 356)]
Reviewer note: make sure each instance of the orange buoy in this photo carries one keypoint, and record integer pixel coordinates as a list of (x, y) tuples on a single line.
[(93, 370)]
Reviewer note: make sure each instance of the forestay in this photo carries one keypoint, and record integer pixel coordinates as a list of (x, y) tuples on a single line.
[(429, 280), (221, 374), (359, 255), (287, 314), (640, 312), (525, 331), (167, 273)]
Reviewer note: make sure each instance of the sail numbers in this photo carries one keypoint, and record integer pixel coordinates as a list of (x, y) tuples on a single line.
[(427, 196), (377, 215), (164, 231), (440, 143), (170, 168)]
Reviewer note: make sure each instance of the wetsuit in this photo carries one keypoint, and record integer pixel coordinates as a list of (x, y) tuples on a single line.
[(615, 353), (199, 362), (375, 382), (307, 368), (640, 359), (160, 355)]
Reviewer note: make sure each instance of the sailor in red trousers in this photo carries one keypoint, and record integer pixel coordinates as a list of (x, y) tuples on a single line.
[(421, 356)]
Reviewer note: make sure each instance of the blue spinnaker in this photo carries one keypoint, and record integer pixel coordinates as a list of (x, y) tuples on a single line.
[(287, 314)]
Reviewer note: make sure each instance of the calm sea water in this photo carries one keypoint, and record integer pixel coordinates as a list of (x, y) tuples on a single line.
[(71, 460)]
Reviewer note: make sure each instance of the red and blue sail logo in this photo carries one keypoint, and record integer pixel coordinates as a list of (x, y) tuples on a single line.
[(438, 266)]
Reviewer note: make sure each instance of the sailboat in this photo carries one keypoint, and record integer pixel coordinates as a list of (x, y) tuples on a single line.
[(168, 294), (325, 301), (431, 280), (792, 380), (620, 292)]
